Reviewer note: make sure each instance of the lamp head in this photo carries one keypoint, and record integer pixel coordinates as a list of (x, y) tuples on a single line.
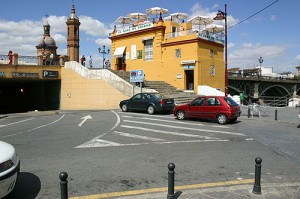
[(220, 16)]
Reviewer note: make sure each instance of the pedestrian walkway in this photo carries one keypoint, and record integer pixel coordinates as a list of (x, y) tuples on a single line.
[(237, 189), (284, 114)]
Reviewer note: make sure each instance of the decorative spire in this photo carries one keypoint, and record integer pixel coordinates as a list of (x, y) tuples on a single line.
[(46, 26), (73, 13)]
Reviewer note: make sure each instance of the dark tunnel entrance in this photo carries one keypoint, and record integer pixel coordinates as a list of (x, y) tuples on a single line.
[(17, 96)]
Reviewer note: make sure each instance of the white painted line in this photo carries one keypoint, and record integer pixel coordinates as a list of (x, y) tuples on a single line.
[(177, 122), (16, 122), (138, 136), (118, 121), (84, 119), (249, 139), (103, 143), (186, 128), (169, 132), (34, 128), (142, 114)]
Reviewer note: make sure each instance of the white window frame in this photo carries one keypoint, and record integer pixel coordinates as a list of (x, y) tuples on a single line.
[(148, 46), (212, 71)]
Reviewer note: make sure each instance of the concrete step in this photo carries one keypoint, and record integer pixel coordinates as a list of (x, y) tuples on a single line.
[(162, 87)]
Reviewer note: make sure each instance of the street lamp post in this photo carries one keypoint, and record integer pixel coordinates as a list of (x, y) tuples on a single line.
[(223, 16), (260, 60), (103, 52)]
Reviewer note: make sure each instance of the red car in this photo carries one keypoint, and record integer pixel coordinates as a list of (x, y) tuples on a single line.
[(221, 108)]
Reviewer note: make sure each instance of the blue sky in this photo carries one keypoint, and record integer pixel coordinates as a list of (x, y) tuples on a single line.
[(272, 34)]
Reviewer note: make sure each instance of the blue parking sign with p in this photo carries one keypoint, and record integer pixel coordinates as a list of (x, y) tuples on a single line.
[(137, 76)]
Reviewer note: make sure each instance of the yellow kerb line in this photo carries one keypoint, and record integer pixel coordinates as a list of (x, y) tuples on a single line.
[(154, 190)]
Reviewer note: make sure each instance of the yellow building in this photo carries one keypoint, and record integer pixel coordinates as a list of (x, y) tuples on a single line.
[(171, 52)]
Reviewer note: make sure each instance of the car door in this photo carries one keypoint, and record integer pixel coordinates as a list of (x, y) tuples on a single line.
[(145, 101), (196, 107), (211, 108), (135, 102)]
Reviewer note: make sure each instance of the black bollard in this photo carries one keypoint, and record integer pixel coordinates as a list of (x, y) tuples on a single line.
[(257, 187), (275, 115), (171, 177), (63, 185)]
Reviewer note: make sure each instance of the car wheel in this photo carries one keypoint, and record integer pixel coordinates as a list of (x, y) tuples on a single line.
[(180, 115), (124, 108), (222, 119), (151, 110)]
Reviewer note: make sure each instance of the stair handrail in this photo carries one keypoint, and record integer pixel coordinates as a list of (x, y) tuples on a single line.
[(106, 75)]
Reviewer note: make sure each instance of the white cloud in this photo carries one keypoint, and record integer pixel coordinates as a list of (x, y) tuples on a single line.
[(248, 54), (106, 42), (22, 36), (93, 27), (297, 58), (197, 9)]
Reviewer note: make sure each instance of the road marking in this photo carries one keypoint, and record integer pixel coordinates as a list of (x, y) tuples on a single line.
[(138, 136), (141, 114), (186, 128), (104, 143), (169, 132), (16, 122), (84, 119), (164, 189), (34, 128), (178, 122)]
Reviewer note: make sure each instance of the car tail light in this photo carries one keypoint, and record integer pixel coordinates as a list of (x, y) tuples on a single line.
[(6, 165), (161, 101)]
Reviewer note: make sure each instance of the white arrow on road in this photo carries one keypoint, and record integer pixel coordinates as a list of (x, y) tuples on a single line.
[(85, 118)]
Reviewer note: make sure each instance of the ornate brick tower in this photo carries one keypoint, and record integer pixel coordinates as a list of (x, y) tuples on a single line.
[(46, 47), (73, 36)]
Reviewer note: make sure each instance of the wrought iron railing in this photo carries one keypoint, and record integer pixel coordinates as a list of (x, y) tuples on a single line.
[(28, 60), (22, 60), (4, 59)]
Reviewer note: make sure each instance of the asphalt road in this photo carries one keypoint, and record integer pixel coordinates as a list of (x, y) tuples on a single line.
[(110, 151)]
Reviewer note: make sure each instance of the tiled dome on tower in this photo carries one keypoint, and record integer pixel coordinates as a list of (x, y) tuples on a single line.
[(47, 48), (47, 42)]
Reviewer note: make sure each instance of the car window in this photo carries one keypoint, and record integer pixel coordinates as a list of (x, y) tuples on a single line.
[(137, 97), (157, 95), (212, 101), (146, 96), (230, 101), (198, 102)]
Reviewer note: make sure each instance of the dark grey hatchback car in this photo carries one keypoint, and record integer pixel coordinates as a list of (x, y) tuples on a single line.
[(149, 102)]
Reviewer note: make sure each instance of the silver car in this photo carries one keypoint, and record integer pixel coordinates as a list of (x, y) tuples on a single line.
[(9, 168)]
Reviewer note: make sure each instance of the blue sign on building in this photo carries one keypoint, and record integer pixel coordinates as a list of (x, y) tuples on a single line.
[(2, 74), (137, 76)]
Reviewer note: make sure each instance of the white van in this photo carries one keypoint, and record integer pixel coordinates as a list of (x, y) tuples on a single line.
[(9, 168)]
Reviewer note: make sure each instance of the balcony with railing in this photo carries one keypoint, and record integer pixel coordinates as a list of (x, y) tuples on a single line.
[(216, 37)]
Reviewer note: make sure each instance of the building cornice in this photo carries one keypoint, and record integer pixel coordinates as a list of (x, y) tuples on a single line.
[(138, 32)]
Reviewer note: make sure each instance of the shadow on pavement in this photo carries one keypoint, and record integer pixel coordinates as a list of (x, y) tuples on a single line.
[(28, 186)]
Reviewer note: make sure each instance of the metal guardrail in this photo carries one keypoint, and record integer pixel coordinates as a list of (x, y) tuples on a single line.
[(22, 60), (201, 34), (274, 101)]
